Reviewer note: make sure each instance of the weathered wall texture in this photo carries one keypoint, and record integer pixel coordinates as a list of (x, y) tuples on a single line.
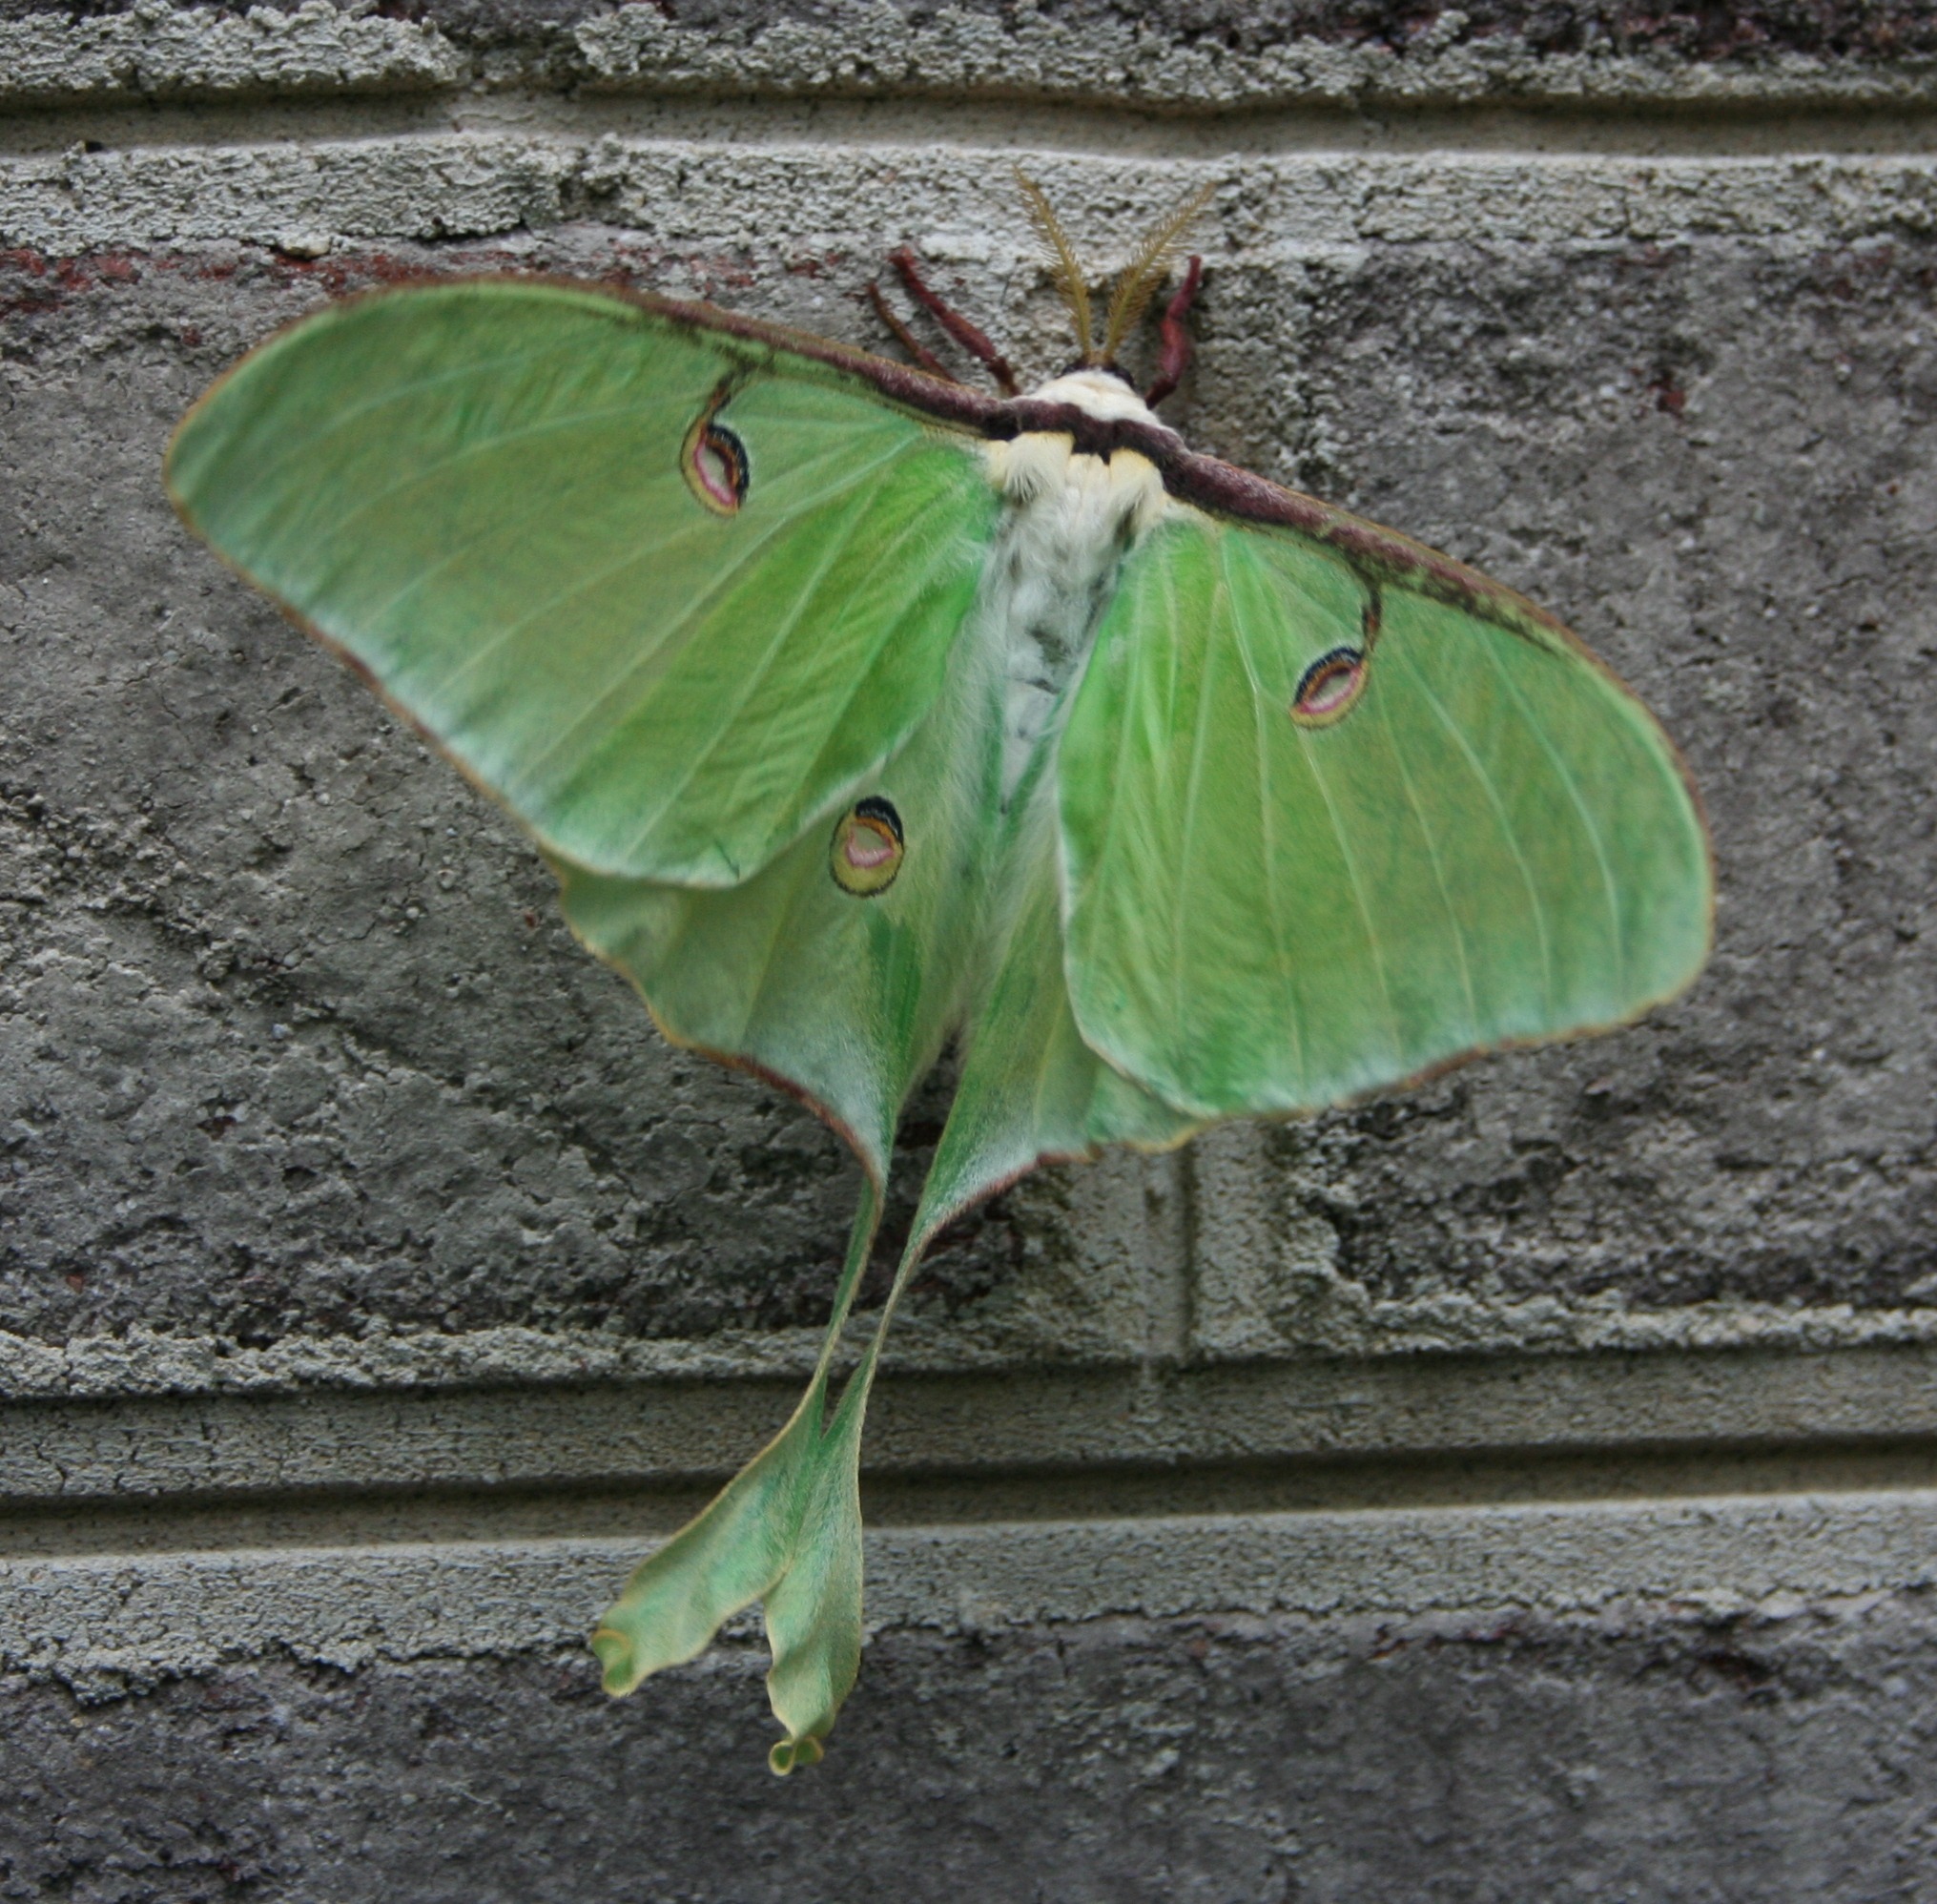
[(1525, 1488)]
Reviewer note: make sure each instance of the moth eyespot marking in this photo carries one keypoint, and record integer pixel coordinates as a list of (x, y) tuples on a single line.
[(713, 462), (868, 847), (1327, 688)]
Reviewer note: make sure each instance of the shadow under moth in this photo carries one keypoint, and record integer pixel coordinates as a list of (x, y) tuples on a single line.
[(859, 710)]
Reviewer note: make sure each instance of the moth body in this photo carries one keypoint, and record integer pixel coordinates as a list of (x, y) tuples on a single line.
[(1051, 568)]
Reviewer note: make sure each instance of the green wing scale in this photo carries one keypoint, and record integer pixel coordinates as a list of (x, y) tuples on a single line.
[(738, 624), (469, 491), (1323, 836)]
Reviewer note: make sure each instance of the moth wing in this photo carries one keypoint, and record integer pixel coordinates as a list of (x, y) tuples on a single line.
[(1031, 1090), (669, 592), (1322, 835), (846, 998)]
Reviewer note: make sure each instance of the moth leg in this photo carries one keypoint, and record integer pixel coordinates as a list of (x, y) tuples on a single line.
[(1175, 359), (974, 340), (923, 357)]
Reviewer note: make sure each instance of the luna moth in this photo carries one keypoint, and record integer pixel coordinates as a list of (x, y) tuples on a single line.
[(861, 713)]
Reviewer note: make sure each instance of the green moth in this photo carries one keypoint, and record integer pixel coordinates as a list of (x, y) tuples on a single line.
[(859, 711)]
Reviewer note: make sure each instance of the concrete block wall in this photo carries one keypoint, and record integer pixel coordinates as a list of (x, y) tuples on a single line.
[(1522, 1488)]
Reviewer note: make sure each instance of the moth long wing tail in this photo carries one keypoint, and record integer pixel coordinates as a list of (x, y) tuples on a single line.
[(786, 1529)]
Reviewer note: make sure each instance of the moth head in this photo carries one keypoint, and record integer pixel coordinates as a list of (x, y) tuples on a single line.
[(1115, 370)]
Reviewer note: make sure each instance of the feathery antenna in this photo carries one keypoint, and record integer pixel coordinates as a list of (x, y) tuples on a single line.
[(1070, 284), (1145, 272)]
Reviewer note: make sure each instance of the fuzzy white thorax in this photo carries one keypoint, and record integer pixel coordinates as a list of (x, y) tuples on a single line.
[(1070, 521), (1098, 393)]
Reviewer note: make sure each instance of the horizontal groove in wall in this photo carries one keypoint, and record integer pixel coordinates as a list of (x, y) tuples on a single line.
[(1479, 1479), (1003, 125), (1247, 1439), (106, 1621)]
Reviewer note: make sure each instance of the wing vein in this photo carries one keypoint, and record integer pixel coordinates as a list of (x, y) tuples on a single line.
[(1480, 774), (728, 573), (1261, 710), (509, 631), (838, 537), (891, 624), (341, 419), (1358, 893), (1587, 820), (483, 446), (1193, 789), (1432, 855), (837, 545)]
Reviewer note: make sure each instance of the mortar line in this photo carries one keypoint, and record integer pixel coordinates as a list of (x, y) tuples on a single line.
[(1867, 1386), (377, 1518), (1616, 129)]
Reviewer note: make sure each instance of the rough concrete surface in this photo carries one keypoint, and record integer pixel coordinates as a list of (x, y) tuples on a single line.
[(1499, 1756), (1179, 55), (1522, 1488)]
